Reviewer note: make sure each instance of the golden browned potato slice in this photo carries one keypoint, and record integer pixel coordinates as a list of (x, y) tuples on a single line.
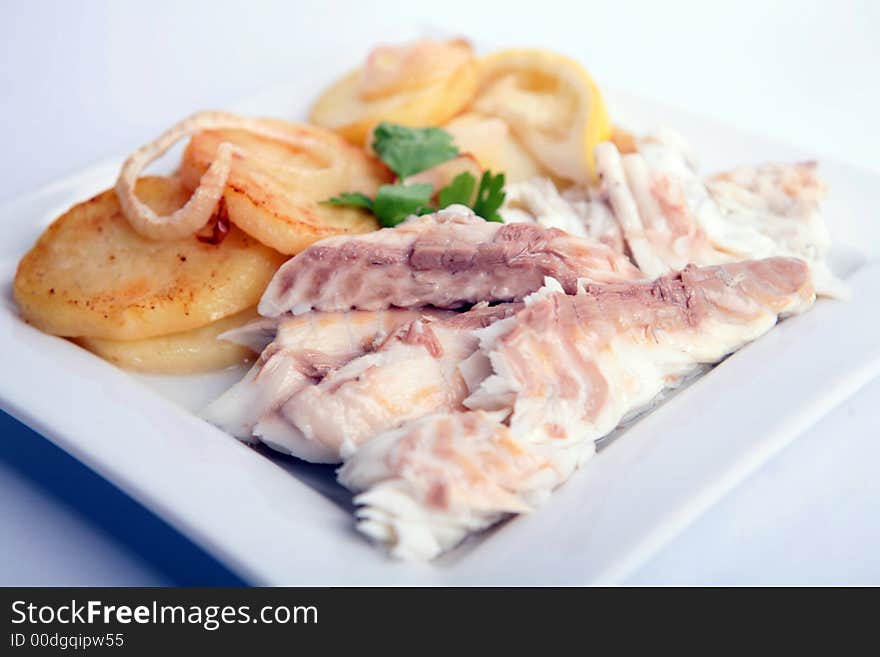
[(421, 84), (188, 352), (90, 274), (275, 190)]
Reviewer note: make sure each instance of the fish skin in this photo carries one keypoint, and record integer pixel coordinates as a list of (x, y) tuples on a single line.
[(450, 259)]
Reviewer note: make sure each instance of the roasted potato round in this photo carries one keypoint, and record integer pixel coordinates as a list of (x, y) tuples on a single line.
[(420, 84), (275, 190), (188, 352), (90, 274)]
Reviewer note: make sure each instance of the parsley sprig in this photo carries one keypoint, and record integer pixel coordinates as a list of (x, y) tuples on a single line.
[(408, 151)]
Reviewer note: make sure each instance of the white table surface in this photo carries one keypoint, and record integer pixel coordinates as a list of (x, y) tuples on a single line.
[(82, 81)]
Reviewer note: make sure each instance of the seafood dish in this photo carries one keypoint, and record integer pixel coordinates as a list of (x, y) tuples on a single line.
[(451, 281)]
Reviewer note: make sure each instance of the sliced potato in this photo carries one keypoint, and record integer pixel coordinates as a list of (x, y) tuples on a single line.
[(188, 352), (491, 141), (552, 105), (420, 84), (90, 274), (275, 190)]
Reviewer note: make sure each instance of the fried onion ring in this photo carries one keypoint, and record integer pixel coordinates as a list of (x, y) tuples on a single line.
[(202, 205)]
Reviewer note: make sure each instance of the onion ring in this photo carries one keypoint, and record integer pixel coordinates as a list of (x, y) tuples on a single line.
[(202, 205)]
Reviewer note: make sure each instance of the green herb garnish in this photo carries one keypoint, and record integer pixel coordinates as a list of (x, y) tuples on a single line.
[(352, 199), (490, 196), (408, 151), (394, 203), (460, 190)]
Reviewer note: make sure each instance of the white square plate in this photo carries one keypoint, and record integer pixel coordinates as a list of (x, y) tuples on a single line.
[(276, 520)]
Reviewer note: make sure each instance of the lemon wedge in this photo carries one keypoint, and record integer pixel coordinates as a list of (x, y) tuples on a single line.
[(551, 104), (419, 84)]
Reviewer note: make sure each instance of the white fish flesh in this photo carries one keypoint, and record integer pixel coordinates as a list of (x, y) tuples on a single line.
[(671, 217), (303, 349), (413, 372), (564, 371)]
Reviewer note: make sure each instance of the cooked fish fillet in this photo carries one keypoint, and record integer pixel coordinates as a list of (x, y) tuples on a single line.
[(671, 218), (449, 259), (774, 209), (303, 349), (414, 372), (580, 211), (565, 370), (569, 363), (594, 208), (438, 478), (659, 208)]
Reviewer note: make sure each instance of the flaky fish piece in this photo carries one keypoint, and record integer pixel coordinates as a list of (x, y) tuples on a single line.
[(438, 478), (774, 209), (580, 210), (671, 217), (449, 259), (300, 351), (413, 372), (564, 371)]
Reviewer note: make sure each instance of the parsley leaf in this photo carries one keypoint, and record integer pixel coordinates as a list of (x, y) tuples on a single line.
[(394, 203), (352, 199), (490, 196), (460, 190), (408, 151)]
